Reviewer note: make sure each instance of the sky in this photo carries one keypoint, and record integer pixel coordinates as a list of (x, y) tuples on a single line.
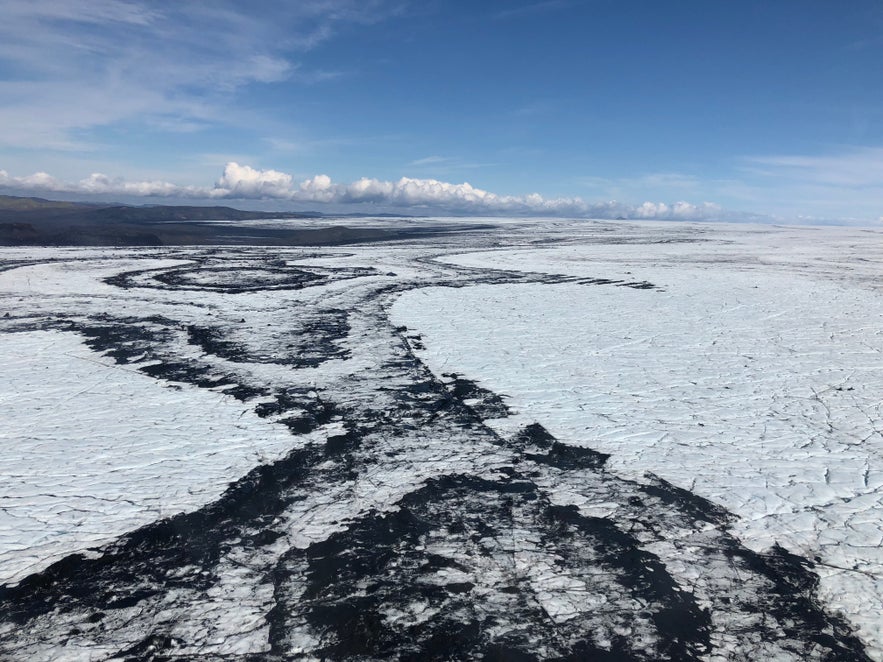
[(680, 109)]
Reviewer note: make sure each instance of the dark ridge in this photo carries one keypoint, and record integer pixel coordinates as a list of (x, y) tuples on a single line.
[(142, 338), (144, 557), (150, 648), (792, 601), (233, 280), (380, 551), (165, 213), (534, 435), (55, 232), (319, 339), (386, 554), (489, 405), (635, 285), (124, 339), (558, 455), (13, 203), (345, 443), (211, 341), (600, 281), (316, 342), (687, 502), (248, 274), (101, 236), (500, 653), (566, 457), (585, 652), (318, 412), (36, 222), (685, 626), (19, 208), (18, 234)]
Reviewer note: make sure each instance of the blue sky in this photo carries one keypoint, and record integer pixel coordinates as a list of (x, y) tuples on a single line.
[(666, 109)]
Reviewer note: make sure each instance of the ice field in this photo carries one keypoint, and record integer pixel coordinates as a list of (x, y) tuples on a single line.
[(752, 379), (552, 439)]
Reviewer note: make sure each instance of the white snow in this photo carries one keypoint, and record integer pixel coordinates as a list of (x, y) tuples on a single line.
[(93, 449)]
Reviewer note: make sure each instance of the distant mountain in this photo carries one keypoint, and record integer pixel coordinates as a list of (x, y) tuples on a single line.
[(16, 209), (32, 221), (14, 203), (39, 222)]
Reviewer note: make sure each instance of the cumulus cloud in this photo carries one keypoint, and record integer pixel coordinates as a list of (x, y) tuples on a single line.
[(99, 184), (678, 210), (246, 182), (243, 182), (317, 189)]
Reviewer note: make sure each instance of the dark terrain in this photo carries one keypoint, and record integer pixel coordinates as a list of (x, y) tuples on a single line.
[(39, 222)]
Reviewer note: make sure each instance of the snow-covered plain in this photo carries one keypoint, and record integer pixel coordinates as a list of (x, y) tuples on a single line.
[(304, 453)]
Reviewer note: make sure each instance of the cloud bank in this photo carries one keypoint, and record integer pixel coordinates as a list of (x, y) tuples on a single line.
[(243, 182)]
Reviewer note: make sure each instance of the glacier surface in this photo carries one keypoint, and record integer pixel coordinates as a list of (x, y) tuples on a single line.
[(543, 439)]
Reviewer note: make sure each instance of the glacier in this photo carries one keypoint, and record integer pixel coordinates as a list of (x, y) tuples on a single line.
[(541, 438)]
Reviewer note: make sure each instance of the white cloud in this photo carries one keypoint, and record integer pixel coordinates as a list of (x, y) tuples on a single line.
[(446, 165), (82, 11), (78, 65), (243, 182), (845, 185), (430, 160), (649, 185), (679, 210), (41, 180), (855, 168), (100, 184), (246, 182), (370, 190), (260, 68)]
